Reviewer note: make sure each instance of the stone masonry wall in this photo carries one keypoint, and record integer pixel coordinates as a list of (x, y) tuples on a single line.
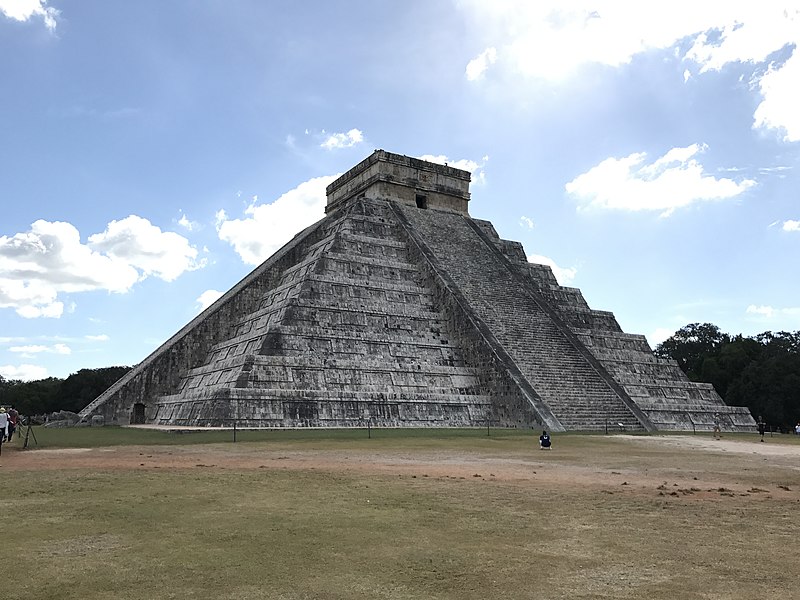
[(349, 333), (161, 371)]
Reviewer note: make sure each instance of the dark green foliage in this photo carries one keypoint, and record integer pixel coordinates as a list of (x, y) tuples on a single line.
[(760, 372), (80, 388), (31, 397), (53, 394), (690, 345)]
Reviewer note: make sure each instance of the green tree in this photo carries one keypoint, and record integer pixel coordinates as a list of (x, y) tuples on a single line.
[(691, 345), (80, 388), (761, 372)]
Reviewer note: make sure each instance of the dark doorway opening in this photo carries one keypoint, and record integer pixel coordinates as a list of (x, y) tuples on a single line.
[(137, 417), (422, 201)]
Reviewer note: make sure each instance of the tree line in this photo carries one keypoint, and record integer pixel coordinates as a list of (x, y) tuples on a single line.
[(761, 372), (53, 394)]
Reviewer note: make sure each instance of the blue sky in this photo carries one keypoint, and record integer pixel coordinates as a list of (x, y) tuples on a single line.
[(152, 153)]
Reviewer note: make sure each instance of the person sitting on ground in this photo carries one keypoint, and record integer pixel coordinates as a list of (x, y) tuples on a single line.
[(544, 441)]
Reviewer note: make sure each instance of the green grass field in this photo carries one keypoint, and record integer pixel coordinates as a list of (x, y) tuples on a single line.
[(406, 514)]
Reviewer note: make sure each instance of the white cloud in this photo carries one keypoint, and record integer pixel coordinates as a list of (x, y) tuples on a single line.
[(208, 298), (187, 223), (270, 226), (766, 311), (97, 338), (23, 372), (564, 275), (659, 335), (343, 140), (769, 312), (526, 222), (475, 168), (672, 181), (741, 32), (791, 225), (49, 259), (478, 65), (142, 245), (780, 88), (23, 10), (552, 40), (37, 349)]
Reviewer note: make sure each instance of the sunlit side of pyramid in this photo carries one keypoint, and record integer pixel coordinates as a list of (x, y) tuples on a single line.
[(399, 310)]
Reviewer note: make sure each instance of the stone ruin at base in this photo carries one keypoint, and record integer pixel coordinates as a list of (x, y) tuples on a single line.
[(400, 310)]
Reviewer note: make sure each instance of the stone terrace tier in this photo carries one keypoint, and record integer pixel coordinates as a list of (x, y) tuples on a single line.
[(657, 386), (350, 333)]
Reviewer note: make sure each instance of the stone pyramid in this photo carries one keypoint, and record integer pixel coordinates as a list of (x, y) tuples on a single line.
[(399, 310)]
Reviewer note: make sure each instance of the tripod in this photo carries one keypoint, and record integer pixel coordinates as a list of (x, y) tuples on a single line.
[(29, 433)]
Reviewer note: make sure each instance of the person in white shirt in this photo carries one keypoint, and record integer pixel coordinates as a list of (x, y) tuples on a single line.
[(3, 423)]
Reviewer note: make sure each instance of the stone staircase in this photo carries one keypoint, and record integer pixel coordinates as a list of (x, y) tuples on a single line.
[(657, 386), (563, 376)]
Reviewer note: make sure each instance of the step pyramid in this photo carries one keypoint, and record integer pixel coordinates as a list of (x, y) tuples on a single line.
[(400, 310)]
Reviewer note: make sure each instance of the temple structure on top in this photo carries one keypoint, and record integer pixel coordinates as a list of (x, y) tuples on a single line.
[(402, 179), (399, 309)]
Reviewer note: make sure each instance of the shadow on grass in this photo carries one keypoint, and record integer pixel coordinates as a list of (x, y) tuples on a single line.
[(93, 437)]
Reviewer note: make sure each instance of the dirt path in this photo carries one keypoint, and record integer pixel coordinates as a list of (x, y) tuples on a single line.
[(709, 468), (721, 445)]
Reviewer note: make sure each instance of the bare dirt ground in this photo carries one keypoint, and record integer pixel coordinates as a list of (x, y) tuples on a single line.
[(696, 465)]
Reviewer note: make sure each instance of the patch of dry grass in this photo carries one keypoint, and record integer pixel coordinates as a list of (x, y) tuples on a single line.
[(421, 517)]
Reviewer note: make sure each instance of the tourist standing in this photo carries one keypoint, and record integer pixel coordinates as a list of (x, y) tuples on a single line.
[(3, 423), (762, 427), (13, 418), (717, 426)]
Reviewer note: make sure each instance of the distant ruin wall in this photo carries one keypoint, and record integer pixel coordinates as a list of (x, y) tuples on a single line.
[(160, 373)]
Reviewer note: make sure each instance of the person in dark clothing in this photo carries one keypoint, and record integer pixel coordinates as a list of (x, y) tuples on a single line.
[(762, 427), (13, 417), (544, 441)]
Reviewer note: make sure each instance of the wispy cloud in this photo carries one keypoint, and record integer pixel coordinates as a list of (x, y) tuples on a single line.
[(187, 223), (31, 350), (552, 40), (98, 338), (343, 140), (526, 222), (478, 65), (791, 225), (770, 312), (465, 164)]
